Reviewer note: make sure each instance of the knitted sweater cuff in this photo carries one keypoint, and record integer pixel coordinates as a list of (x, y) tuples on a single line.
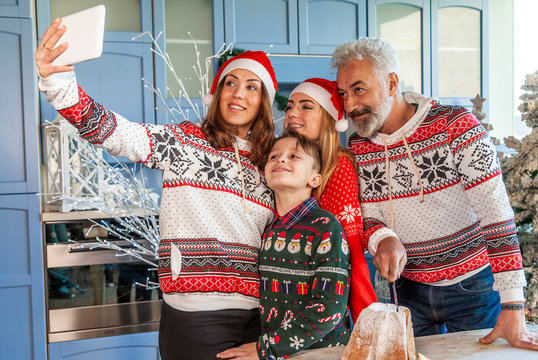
[(377, 236), (56, 81), (511, 295)]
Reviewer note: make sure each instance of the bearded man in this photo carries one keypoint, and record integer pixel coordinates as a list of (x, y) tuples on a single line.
[(434, 205)]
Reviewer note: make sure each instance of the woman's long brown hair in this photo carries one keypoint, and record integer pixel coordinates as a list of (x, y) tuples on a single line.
[(221, 135), (329, 143)]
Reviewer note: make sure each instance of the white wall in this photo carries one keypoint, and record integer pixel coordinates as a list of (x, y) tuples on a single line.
[(525, 54), (501, 67)]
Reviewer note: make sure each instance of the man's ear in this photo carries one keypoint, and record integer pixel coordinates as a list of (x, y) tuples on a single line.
[(315, 181), (393, 82)]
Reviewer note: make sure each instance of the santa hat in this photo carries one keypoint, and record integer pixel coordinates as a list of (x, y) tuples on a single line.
[(255, 61), (324, 92)]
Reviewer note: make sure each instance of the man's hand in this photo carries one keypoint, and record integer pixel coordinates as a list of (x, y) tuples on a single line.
[(511, 327), (243, 352), (390, 258)]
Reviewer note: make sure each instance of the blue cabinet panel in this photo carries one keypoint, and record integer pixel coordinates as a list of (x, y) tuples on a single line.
[(17, 108), (325, 24), (143, 346), (294, 69), (15, 8), (13, 220), (258, 24), (16, 314), (22, 304)]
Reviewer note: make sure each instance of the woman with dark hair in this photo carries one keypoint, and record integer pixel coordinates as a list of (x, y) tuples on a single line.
[(315, 112), (215, 203)]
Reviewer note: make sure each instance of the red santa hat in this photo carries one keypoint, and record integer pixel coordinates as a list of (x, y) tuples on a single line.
[(255, 61), (324, 92)]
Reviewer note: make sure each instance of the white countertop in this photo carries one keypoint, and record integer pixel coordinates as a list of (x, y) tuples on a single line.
[(460, 345)]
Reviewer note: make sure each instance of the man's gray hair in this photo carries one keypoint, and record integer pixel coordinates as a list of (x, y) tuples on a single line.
[(380, 52)]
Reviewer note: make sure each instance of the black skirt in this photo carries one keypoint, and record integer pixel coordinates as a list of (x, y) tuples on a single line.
[(200, 335)]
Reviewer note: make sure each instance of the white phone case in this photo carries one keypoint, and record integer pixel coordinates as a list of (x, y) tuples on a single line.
[(85, 31)]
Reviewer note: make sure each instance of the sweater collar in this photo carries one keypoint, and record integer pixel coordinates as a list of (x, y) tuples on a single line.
[(296, 214), (424, 105)]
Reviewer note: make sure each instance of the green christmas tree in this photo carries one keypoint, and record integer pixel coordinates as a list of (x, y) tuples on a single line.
[(520, 173)]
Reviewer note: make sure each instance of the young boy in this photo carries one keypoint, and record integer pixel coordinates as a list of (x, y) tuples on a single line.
[(304, 261)]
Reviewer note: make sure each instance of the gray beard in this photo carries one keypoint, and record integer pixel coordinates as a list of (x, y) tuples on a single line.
[(370, 126)]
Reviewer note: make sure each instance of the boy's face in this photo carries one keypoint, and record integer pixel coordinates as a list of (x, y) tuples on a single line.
[(290, 168)]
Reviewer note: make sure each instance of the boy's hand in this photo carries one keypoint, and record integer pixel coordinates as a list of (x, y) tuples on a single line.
[(243, 352), (390, 258)]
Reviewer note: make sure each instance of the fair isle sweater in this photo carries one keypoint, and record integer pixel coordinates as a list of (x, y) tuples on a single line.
[(208, 251), (340, 197), (465, 222), (303, 283)]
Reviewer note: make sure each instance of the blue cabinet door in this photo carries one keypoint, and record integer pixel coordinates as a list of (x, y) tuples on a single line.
[(22, 298), (325, 24), (143, 346), (19, 146), (260, 24), (15, 8)]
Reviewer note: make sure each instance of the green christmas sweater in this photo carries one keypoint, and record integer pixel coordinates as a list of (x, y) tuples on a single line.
[(304, 264)]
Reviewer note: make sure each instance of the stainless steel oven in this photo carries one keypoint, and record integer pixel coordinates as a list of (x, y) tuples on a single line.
[(91, 291)]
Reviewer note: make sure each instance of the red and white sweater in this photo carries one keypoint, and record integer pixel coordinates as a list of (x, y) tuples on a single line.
[(465, 222), (340, 197), (208, 252)]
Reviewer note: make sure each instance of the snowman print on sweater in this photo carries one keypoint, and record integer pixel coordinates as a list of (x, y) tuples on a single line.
[(345, 246), (308, 247), (325, 244), (267, 245), (295, 245), (280, 242)]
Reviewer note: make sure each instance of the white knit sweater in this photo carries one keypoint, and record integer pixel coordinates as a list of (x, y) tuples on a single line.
[(210, 225), (464, 222)]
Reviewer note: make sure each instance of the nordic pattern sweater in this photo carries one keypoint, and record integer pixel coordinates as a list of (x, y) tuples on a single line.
[(303, 283), (464, 222), (209, 246), (340, 197)]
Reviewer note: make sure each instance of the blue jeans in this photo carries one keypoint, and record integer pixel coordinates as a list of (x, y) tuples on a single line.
[(468, 305)]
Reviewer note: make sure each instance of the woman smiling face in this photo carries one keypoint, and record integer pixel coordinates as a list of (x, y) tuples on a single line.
[(305, 115), (240, 100)]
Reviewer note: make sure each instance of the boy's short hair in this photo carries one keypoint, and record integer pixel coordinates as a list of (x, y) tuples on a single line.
[(310, 147)]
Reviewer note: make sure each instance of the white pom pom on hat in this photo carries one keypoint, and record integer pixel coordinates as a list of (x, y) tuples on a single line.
[(255, 61), (341, 125), (207, 99), (324, 92)]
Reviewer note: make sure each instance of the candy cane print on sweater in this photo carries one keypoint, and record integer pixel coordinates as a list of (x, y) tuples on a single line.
[(336, 317), (287, 315), (273, 313), (318, 307)]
